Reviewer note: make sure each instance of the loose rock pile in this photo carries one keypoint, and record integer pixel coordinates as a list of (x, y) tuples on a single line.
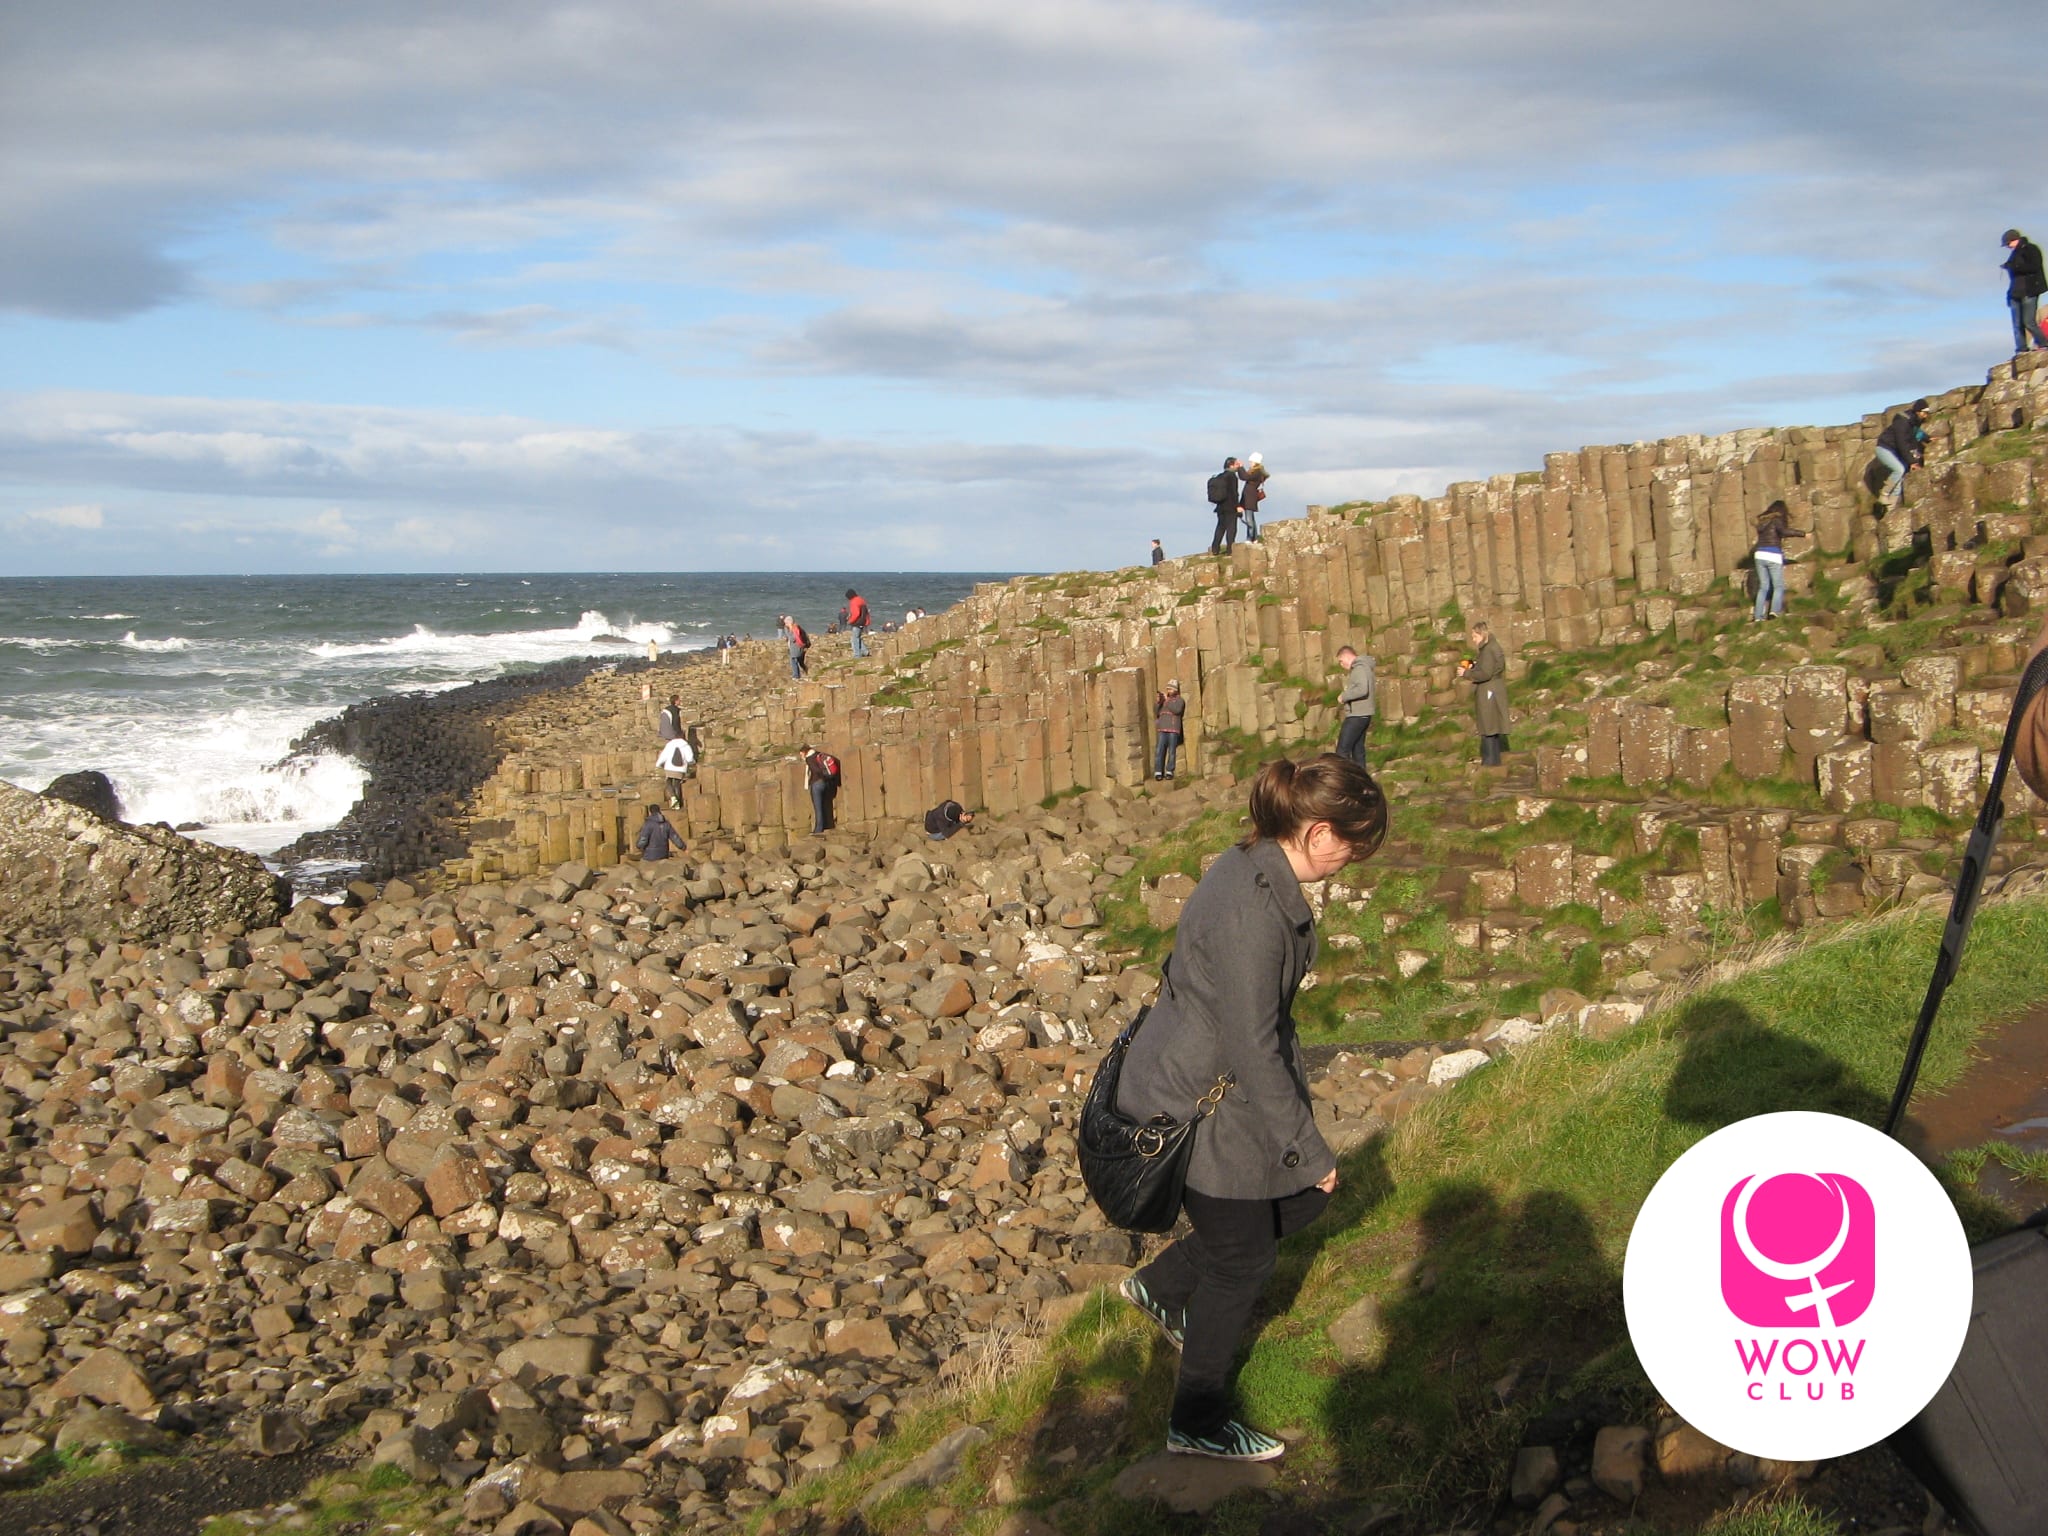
[(645, 1191)]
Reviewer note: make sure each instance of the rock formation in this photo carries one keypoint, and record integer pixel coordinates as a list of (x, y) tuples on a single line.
[(71, 874)]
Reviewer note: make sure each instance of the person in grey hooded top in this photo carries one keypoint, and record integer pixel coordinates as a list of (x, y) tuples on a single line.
[(1260, 1169), (1359, 699)]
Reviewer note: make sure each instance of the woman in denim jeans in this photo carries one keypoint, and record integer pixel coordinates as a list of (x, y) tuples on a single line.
[(1169, 712)]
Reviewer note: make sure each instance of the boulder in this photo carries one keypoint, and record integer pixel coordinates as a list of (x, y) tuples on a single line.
[(89, 790), (73, 875)]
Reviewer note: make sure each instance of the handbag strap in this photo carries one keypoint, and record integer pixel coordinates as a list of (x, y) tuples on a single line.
[(1962, 910)]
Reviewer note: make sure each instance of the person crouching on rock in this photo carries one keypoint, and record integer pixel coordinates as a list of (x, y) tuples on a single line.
[(656, 837), (1260, 1169), (946, 818)]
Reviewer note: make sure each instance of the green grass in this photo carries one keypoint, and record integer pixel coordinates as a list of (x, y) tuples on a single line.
[(1489, 1230), (380, 1498)]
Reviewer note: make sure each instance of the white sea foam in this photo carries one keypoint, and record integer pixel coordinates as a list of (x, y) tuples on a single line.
[(110, 617), (477, 655), (223, 772), (173, 643)]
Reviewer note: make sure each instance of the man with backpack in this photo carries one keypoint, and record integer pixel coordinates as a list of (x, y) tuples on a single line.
[(856, 617), (821, 774), (1223, 494), (672, 718), (2025, 283)]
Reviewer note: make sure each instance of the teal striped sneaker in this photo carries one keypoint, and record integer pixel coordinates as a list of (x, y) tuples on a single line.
[(1132, 1289), (1233, 1442)]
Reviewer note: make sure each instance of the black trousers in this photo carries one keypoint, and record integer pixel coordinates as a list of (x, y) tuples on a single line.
[(1351, 737), (1226, 531), (1490, 749), (1216, 1272)]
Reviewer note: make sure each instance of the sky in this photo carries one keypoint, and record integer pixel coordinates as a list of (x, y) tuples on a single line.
[(947, 284)]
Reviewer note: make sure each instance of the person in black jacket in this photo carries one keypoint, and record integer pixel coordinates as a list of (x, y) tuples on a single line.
[(1900, 447), (2025, 283), (946, 818), (1260, 1168), (656, 837), (1224, 489)]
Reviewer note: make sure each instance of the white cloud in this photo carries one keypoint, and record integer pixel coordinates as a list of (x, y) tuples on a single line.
[(83, 515)]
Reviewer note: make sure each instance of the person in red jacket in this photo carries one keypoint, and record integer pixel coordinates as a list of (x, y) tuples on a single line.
[(856, 617)]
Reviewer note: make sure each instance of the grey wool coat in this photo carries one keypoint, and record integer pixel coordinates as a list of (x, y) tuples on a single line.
[(1246, 939), (1360, 694), (1489, 693)]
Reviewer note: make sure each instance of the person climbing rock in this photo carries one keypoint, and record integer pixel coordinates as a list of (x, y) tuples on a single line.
[(656, 837), (675, 763), (946, 818), (1253, 492), (821, 777), (1900, 447), (1773, 528)]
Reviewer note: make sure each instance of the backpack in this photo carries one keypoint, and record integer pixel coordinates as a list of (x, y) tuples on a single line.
[(1222, 487), (803, 638), (830, 764)]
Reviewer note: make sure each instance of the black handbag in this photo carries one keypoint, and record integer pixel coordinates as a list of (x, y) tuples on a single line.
[(1135, 1171)]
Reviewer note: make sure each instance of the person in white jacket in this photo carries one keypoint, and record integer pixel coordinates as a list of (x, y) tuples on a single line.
[(676, 763)]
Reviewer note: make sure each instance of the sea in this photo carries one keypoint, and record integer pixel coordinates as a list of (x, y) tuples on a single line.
[(188, 691)]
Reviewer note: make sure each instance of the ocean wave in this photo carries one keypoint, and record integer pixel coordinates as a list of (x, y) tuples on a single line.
[(110, 617), (43, 643), (472, 652), (171, 643)]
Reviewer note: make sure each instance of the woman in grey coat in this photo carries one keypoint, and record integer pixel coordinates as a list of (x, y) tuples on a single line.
[(1260, 1169), (1484, 669)]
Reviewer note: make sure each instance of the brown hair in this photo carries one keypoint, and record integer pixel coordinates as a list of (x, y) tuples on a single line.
[(1288, 797)]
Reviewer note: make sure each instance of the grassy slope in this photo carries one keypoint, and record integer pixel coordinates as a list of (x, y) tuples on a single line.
[(1490, 1229)]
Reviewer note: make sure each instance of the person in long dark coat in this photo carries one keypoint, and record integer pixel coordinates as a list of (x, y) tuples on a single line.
[(1260, 1169), (1486, 669)]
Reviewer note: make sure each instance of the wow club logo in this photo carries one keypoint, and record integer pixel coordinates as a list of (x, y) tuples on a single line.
[(1798, 1250), (1797, 1286)]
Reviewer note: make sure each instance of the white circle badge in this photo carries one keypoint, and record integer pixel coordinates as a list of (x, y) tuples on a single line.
[(1797, 1286)]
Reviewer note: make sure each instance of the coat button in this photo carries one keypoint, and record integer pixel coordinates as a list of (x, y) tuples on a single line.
[(1291, 1160), (1262, 882)]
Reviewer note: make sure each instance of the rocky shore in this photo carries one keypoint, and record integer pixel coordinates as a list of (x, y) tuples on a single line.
[(644, 1191), (426, 754)]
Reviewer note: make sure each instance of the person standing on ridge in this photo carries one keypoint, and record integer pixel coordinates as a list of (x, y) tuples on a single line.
[(1900, 447), (1169, 719), (821, 777), (672, 718), (1158, 553), (1358, 701), (856, 617), (1773, 528), (1484, 669), (1223, 491), (1254, 492), (1223, 1023), (2025, 283)]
